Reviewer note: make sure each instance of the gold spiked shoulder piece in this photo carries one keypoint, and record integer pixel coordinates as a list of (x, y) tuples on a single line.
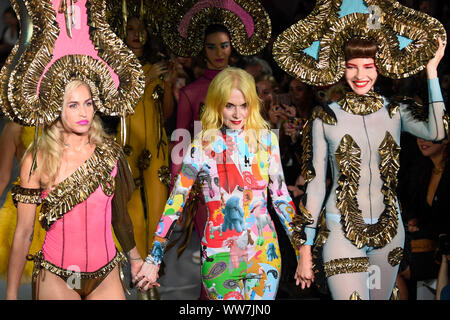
[(76, 188), (418, 111)]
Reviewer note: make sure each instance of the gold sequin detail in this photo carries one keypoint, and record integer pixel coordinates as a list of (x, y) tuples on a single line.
[(299, 223), (346, 265), (164, 175), (360, 104), (194, 42), (395, 293), (25, 195), (348, 157), (355, 296), (395, 256)]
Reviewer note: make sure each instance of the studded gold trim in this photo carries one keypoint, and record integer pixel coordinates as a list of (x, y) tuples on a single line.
[(150, 12), (325, 25), (299, 223), (194, 42), (76, 188), (355, 296), (361, 104), (395, 256), (346, 265), (164, 175), (25, 195), (327, 116), (40, 262), (395, 293), (348, 157), (418, 111)]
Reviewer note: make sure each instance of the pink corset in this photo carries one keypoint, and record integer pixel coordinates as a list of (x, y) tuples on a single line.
[(82, 239)]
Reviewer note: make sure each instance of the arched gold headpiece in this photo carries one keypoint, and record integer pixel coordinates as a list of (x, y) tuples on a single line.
[(312, 49), (63, 40), (186, 21)]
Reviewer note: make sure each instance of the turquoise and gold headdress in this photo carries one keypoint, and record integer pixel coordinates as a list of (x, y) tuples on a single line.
[(312, 49)]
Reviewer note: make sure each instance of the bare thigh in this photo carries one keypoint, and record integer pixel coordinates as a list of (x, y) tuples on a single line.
[(52, 287), (109, 289)]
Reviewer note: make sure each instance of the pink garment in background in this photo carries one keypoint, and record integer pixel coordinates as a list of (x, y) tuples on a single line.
[(188, 109), (82, 239), (80, 43)]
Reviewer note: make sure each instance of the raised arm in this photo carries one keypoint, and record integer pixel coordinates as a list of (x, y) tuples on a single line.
[(27, 196), (433, 127)]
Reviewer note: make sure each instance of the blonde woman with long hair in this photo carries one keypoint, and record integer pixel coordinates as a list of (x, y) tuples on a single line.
[(236, 158), (83, 182)]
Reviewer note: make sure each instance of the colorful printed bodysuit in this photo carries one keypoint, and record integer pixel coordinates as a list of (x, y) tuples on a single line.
[(240, 256)]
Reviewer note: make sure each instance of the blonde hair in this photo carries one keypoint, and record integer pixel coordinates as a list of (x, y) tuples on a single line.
[(217, 97), (50, 144)]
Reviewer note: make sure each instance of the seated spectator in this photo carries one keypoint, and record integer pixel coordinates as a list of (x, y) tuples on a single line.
[(426, 210)]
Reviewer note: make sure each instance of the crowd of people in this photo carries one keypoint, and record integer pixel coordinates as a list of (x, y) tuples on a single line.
[(177, 88)]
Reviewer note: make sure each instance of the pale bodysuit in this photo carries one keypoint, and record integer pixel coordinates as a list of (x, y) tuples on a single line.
[(361, 262)]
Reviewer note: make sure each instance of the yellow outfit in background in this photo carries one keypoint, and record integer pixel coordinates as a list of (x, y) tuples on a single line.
[(8, 221), (145, 131)]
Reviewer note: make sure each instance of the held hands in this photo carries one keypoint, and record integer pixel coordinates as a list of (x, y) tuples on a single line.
[(304, 274), (146, 277), (434, 62)]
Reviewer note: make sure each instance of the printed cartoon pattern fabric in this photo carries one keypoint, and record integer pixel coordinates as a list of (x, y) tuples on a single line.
[(240, 257)]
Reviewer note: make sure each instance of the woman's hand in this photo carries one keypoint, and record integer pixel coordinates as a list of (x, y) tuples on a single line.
[(304, 274), (291, 128), (434, 62), (155, 71), (146, 277)]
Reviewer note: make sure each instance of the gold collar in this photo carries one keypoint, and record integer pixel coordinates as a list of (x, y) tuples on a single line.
[(361, 104)]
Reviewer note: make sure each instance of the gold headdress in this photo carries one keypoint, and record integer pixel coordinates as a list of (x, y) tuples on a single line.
[(63, 40), (150, 12), (312, 49), (186, 21)]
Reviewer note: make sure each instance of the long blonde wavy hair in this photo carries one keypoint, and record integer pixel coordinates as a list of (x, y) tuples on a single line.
[(217, 97), (50, 144)]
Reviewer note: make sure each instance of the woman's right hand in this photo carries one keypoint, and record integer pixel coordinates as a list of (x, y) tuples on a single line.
[(304, 274), (155, 71), (146, 277)]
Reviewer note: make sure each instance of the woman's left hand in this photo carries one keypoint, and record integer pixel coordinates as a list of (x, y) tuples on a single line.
[(434, 62)]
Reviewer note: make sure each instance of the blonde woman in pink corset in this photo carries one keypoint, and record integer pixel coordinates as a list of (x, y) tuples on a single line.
[(79, 236), (76, 172)]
